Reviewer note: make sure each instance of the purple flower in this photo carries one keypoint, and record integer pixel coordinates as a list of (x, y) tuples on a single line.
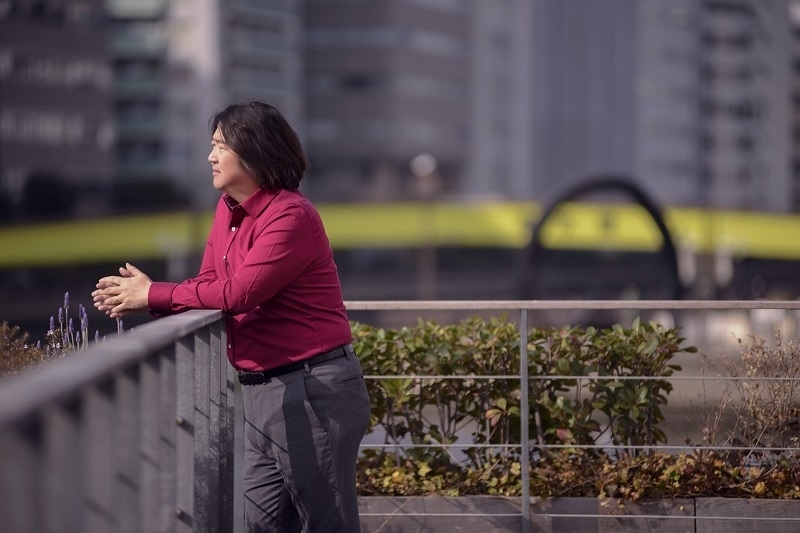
[(84, 318), (60, 315), (78, 338), (66, 300), (52, 324), (71, 329)]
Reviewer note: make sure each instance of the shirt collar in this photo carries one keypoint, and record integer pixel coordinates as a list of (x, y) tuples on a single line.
[(254, 204)]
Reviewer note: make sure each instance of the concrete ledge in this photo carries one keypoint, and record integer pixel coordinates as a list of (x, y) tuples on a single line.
[(487, 514), (494, 514)]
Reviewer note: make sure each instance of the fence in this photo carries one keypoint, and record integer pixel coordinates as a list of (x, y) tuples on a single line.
[(137, 434), (712, 514)]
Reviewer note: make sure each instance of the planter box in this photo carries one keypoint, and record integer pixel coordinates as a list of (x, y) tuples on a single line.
[(445, 515), (662, 516), (749, 510), (491, 514)]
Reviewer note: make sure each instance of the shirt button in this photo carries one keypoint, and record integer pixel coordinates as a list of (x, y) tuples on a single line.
[(233, 228), (224, 257), (229, 346)]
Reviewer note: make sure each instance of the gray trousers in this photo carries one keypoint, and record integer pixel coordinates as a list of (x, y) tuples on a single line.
[(301, 436)]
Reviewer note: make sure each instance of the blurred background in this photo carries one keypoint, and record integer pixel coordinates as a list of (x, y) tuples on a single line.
[(459, 149)]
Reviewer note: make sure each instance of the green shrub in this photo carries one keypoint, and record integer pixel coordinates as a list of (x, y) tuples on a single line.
[(575, 417)]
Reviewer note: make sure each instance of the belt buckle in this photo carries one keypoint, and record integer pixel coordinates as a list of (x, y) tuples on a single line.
[(252, 378)]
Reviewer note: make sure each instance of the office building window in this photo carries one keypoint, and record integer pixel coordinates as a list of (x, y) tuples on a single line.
[(52, 70), (428, 42), (73, 12), (348, 82), (353, 130), (54, 128), (257, 76), (373, 37), (265, 35), (134, 152), (436, 43), (417, 86), (442, 5)]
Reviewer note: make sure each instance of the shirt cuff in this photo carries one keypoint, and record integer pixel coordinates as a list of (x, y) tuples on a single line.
[(159, 297)]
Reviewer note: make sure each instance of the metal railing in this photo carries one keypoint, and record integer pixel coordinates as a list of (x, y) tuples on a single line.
[(137, 433), (134, 434), (523, 308)]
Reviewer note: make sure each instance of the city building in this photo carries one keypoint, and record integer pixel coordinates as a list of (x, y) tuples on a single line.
[(138, 48), (690, 98), (385, 83), (176, 62), (512, 99), (794, 17), (745, 61), (55, 102)]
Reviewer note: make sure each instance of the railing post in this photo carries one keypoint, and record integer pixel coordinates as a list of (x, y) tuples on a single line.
[(63, 480), (524, 420), (149, 437), (202, 433), (225, 421), (220, 482), (21, 478), (184, 441), (125, 486), (167, 430), (98, 450)]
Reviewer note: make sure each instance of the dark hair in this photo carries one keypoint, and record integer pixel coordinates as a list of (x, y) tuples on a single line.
[(267, 146)]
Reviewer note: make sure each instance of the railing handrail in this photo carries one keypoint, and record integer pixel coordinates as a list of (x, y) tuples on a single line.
[(24, 393), (550, 305)]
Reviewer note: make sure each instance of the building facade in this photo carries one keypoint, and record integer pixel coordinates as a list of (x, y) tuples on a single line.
[(55, 102), (176, 62), (745, 106), (386, 82), (794, 17), (689, 98), (512, 99)]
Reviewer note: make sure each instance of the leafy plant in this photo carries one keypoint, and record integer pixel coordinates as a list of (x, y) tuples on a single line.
[(583, 390)]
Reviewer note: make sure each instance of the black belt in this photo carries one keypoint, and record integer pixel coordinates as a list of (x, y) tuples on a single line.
[(256, 378)]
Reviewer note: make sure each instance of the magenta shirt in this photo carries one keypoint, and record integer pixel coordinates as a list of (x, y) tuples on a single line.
[(269, 266)]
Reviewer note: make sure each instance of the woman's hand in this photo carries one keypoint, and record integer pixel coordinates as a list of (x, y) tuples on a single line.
[(120, 295)]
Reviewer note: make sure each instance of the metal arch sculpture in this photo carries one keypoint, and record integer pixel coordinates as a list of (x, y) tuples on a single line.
[(672, 288)]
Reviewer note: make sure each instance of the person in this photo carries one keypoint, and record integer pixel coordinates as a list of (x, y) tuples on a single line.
[(269, 267)]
